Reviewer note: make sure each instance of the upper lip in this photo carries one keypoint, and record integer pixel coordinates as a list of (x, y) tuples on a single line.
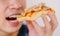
[(14, 14), (11, 12)]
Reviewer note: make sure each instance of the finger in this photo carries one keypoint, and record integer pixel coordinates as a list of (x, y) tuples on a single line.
[(38, 28), (31, 29), (29, 24), (34, 24), (46, 22), (53, 21)]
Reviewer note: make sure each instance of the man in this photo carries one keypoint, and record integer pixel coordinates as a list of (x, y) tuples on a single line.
[(9, 26)]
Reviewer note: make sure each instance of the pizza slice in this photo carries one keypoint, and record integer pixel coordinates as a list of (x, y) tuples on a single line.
[(34, 12)]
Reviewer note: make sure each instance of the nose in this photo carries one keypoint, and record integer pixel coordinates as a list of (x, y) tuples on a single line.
[(14, 5)]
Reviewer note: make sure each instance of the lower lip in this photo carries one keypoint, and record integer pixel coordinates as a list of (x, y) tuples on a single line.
[(13, 23)]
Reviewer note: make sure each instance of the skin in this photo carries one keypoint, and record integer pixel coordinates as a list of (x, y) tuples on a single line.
[(8, 7), (35, 30), (47, 30)]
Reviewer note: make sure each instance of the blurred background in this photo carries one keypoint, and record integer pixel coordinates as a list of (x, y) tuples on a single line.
[(55, 4)]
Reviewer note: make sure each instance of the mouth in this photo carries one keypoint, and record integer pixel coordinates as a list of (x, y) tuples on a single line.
[(11, 18)]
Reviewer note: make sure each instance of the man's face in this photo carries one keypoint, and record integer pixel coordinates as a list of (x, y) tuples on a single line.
[(9, 9)]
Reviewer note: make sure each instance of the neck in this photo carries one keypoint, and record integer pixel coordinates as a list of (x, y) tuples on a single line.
[(8, 34)]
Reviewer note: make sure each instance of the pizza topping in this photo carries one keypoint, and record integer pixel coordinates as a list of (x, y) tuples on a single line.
[(34, 11)]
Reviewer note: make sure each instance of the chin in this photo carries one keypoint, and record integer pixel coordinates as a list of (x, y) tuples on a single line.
[(10, 30)]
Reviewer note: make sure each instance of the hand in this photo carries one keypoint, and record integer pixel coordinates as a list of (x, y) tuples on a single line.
[(47, 30)]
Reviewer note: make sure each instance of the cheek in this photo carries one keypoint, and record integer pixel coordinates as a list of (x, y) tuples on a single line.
[(2, 13), (23, 3), (3, 8)]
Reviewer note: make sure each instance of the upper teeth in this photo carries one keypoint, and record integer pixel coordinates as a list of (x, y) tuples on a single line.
[(13, 16)]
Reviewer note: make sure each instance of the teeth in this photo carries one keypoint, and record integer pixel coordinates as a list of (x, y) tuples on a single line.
[(13, 16)]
